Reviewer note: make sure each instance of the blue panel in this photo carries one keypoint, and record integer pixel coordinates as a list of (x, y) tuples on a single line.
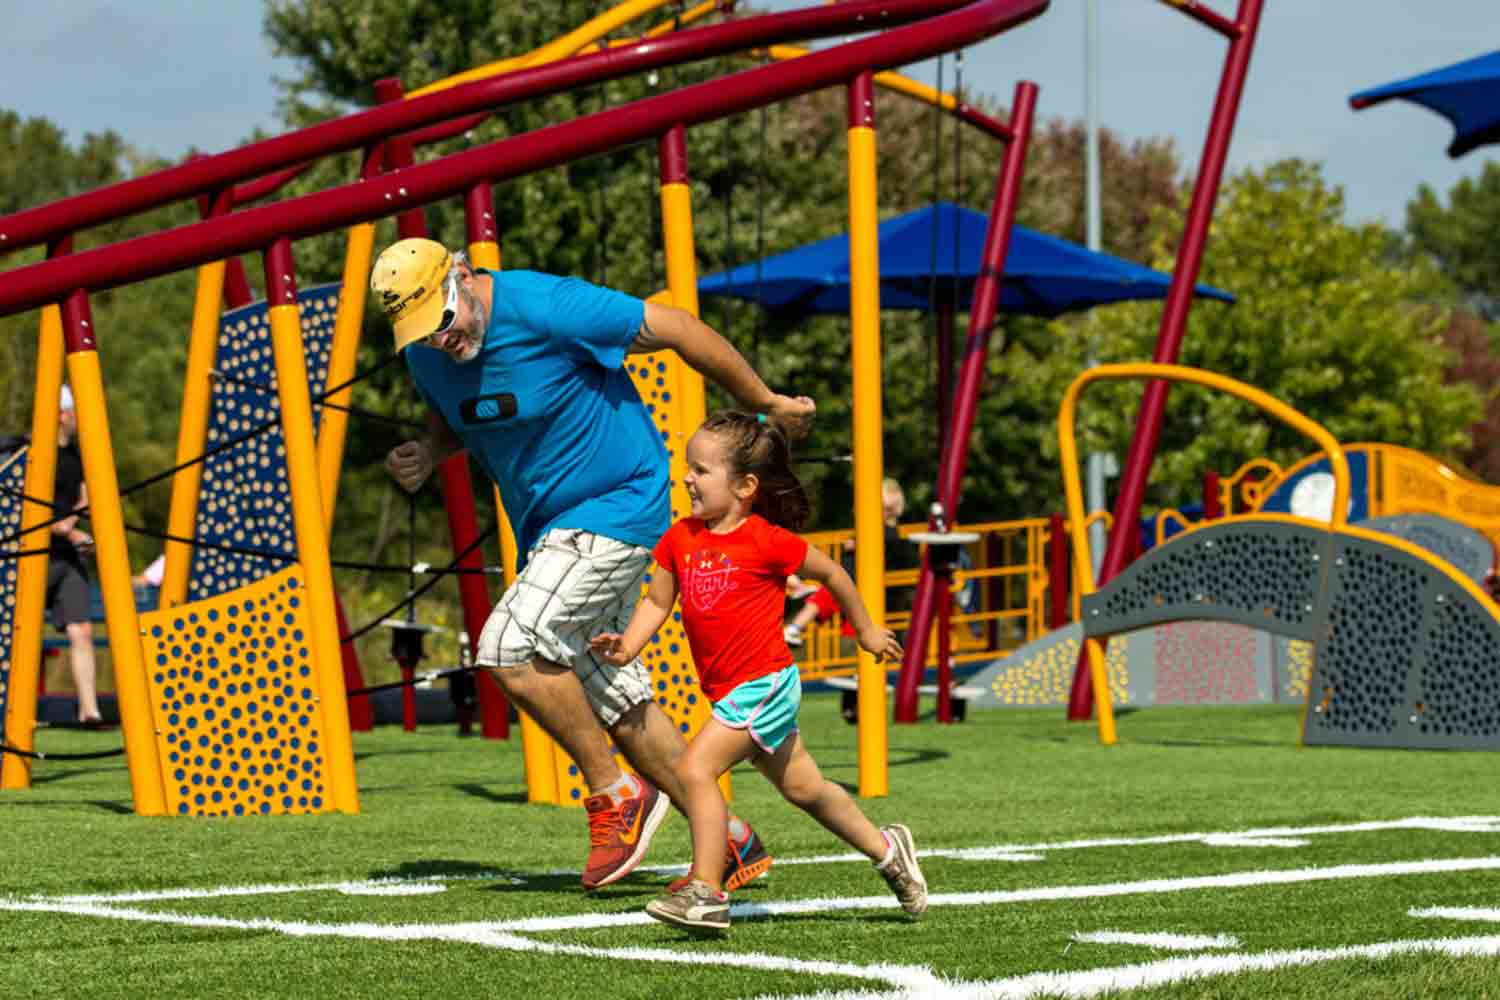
[(1280, 502), (245, 499)]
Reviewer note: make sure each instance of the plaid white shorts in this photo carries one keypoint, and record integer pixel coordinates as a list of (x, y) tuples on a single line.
[(576, 584)]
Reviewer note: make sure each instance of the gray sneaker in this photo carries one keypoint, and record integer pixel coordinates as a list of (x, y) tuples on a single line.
[(902, 873), (691, 903)]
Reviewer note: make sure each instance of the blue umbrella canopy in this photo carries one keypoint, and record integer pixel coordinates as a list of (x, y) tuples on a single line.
[(1466, 93), (1043, 275)]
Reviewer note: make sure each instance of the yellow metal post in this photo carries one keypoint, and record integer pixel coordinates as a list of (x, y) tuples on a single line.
[(682, 285), (682, 268), (307, 518), (869, 459), (112, 557), (333, 426), (192, 432), (31, 575)]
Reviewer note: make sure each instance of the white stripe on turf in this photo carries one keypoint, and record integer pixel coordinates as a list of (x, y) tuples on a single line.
[(1166, 942), (1486, 914), (1277, 836)]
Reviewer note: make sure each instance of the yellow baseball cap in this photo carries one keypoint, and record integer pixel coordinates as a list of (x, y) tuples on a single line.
[(408, 280)]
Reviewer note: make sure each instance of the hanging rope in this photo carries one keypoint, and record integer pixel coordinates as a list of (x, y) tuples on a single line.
[(42, 755), (215, 450), (933, 330), (424, 588)]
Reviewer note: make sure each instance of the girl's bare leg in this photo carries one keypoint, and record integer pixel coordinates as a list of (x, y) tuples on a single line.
[(795, 774), (713, 751)]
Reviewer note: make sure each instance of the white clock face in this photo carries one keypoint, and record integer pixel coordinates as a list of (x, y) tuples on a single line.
[(1312, 497)]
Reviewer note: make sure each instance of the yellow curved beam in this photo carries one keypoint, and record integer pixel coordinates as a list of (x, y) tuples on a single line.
[(583, 38), (888, 80), (1083, 568)]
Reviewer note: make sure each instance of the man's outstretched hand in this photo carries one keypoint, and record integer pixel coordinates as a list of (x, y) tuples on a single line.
[(792, 414)]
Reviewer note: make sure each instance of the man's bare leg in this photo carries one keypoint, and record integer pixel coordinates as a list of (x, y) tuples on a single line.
[(552, 695), (653, 746)]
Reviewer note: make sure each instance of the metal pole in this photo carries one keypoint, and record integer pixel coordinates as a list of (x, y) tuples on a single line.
[(1097, 461)]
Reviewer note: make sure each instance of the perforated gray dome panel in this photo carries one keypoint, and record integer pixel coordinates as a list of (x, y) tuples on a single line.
[(1263, 574), (1404, 655), (1412, 659)]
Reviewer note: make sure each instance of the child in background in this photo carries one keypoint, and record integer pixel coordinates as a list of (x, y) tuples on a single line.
[(729, 561)]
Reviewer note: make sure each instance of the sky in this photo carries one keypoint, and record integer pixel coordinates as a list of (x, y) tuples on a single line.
[(169, 75)]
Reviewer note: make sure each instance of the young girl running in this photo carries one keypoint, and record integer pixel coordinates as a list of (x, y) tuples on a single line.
[(729, 562)]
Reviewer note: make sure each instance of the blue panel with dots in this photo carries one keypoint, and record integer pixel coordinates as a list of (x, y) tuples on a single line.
[(233, 690), (12, 478), (245, 500)]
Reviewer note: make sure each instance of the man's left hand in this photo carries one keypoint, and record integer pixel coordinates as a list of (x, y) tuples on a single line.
[(792, 414)]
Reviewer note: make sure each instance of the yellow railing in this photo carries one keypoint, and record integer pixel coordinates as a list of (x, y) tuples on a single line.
[(1005, 583)]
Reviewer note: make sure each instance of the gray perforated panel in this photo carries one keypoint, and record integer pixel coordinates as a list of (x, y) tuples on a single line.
[(1263, 574), (1409, 659)]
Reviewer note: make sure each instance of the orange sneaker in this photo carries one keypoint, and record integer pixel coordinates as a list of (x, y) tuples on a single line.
[(746, 861), (620, 834)]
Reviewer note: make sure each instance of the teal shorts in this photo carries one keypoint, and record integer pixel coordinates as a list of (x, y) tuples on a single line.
[(765, 707)]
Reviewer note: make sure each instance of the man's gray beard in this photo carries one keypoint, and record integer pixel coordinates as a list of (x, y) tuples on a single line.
[(481, 320)]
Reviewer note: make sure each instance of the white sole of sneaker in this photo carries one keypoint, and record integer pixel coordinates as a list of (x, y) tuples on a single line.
[(642, 843), (676, 921)]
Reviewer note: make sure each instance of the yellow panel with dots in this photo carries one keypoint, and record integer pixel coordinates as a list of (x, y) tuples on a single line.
[(233, 688), (1046, 677), (660, 380)]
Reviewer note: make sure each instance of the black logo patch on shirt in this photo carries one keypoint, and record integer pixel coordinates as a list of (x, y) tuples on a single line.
[(487, 409)]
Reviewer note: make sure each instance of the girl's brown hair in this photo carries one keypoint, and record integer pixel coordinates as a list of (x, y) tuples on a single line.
[(761, 449)]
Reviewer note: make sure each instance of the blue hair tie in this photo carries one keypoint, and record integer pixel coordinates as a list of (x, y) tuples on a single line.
[(760, 417)]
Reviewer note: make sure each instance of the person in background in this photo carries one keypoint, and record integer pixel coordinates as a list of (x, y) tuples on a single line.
[(68, 597), (899, 554)]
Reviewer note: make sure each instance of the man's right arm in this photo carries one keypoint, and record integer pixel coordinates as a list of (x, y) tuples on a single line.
[(411, 463)]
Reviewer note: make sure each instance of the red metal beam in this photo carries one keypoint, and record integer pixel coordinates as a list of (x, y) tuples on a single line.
[(376, 198), (198, 176), (971, 378), (1174, 316)]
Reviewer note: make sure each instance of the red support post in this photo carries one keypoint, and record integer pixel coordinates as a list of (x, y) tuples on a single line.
[(361, 714), (945, 651), (1213, 509), (458, 492), (976, 352), (1057, 573), (494, 708), (1132, 487)]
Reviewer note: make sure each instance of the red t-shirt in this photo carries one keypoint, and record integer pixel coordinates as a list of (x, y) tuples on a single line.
[(732, 588)]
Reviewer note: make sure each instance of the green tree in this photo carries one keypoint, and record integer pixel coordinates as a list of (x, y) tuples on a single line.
[(1460, 236), (142, 328), (1324, 323)]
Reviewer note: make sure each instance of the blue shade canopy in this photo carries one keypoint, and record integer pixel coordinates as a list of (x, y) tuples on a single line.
[(1043, 276), (1466, 93)]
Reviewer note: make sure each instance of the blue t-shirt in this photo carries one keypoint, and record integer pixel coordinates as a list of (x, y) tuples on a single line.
[(550, 414)]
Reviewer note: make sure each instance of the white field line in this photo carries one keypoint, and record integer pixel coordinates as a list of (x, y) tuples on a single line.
[(595, 921), (1166, 942), (915, 980), (1093, 982), (999, 852), (1275, 836), (1487, 914), (1235, 880), (911, 981), (361, 887)]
